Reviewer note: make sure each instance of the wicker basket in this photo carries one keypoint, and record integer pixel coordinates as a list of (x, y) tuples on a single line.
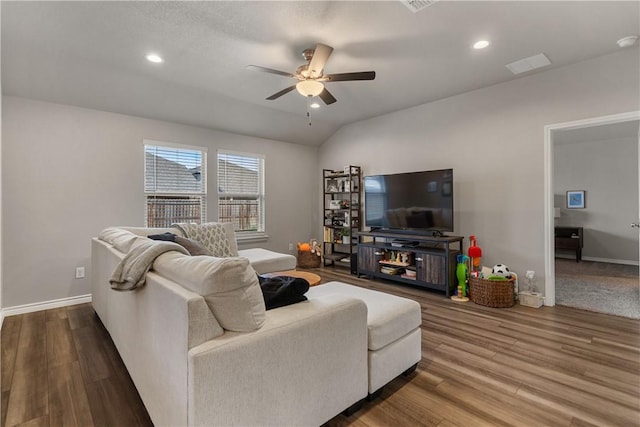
[(491, 293), (306, 259)]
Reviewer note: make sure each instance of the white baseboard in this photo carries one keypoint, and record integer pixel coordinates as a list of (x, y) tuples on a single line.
[(46, 305), (612, 261), (596, 259)]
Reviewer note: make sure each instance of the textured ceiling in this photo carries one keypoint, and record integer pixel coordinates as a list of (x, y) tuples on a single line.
[(91, 54)]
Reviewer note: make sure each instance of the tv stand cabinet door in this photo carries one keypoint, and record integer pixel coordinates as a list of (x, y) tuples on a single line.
[(368, 257), (431, 268)]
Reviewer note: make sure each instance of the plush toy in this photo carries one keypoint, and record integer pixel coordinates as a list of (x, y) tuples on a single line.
[(475, 253), (462, 272), (305, 247), (316, 247)]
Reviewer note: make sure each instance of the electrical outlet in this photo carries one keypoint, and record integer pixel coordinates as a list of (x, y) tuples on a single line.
[(290, 246), (79, 272)]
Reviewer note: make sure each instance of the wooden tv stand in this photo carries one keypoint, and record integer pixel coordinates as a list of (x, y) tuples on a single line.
[(432, 258)]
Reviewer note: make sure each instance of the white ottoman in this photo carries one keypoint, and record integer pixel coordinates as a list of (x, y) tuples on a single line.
[(393, 325)]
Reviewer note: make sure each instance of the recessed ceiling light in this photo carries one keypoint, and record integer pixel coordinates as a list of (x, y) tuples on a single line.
[(481, 44), (152, 57), (627, 41), (314, 105)]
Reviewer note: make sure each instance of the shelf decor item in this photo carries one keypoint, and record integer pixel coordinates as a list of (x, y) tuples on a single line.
[(335, 204), (491, 293)]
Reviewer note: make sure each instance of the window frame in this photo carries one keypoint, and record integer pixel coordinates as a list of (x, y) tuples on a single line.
[(250, 235), (202, 194)]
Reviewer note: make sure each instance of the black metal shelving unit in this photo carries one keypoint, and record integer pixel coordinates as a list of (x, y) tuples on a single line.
[(342, 209)]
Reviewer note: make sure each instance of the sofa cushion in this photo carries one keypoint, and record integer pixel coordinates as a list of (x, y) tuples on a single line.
[(389, 317), (219, 238), (265, 261), (146, 231), (229, 286), (194, 247), (119, 238), (166, 237)]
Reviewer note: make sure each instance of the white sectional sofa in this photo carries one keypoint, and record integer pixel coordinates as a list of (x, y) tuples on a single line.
[(202, 350)]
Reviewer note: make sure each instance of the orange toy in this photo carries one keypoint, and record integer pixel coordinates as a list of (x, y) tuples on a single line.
[(304, 247), (475, 253)]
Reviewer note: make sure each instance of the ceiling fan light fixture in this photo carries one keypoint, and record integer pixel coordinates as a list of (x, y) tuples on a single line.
[(309, 88)]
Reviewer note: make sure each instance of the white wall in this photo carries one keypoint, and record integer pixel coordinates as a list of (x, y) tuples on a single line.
[(608, 171), (494, 140), (69, 172)]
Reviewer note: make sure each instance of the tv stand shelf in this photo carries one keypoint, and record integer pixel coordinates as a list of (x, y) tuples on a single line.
[(433, 259)]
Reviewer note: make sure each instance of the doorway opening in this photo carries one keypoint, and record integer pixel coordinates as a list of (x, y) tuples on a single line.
[(552, 202)]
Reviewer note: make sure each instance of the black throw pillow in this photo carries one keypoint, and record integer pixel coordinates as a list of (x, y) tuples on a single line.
[(167, 237), (282, 290)]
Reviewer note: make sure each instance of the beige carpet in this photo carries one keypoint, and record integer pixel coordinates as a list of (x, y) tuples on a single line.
[(600, 287)]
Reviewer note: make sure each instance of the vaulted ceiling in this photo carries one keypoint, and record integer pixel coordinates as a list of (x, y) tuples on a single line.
[(92, 54)]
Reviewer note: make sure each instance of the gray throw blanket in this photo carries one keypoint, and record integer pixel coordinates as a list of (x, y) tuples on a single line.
[(131, 272)]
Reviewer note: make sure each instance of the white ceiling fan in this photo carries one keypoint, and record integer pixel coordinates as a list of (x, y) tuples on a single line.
[(310, 75)]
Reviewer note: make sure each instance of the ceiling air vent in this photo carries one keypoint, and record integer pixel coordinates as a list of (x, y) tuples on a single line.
[(528, 64), (417, 5)]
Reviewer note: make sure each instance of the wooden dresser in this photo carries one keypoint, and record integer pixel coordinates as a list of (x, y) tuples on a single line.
[(570, 238)]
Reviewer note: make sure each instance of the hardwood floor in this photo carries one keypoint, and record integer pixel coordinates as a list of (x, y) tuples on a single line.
[(60, 368), (553, 366)]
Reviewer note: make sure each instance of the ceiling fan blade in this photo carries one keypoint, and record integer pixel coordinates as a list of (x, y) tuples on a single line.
[(269, 70), (326, 96), (343, 77), (319, 60), (282, 92)]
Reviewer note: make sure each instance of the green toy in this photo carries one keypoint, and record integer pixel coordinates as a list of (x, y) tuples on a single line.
[(462, 272)]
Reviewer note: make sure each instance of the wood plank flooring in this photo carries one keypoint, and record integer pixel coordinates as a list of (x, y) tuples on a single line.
[(518, 366), (60, 368)]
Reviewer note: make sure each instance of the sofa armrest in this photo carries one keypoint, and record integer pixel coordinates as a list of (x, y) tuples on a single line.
[(304, 366)]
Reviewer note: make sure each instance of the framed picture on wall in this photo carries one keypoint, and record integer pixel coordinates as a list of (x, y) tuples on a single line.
[(575, 199)]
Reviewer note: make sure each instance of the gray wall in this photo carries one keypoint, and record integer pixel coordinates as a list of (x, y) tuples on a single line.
[(494, 140), (1, 313), (69, 172), (608, 171)]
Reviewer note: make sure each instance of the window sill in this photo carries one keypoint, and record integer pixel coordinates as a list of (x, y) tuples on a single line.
[(249, 237)]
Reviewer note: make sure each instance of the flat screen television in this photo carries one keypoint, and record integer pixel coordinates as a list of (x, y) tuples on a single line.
[(420, 202)]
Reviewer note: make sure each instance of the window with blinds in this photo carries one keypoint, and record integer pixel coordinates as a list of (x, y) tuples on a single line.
[(174, 184), (241, 191)]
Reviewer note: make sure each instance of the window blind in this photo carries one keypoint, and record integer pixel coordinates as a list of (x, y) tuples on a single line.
[(241, 190), (174, 185)]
